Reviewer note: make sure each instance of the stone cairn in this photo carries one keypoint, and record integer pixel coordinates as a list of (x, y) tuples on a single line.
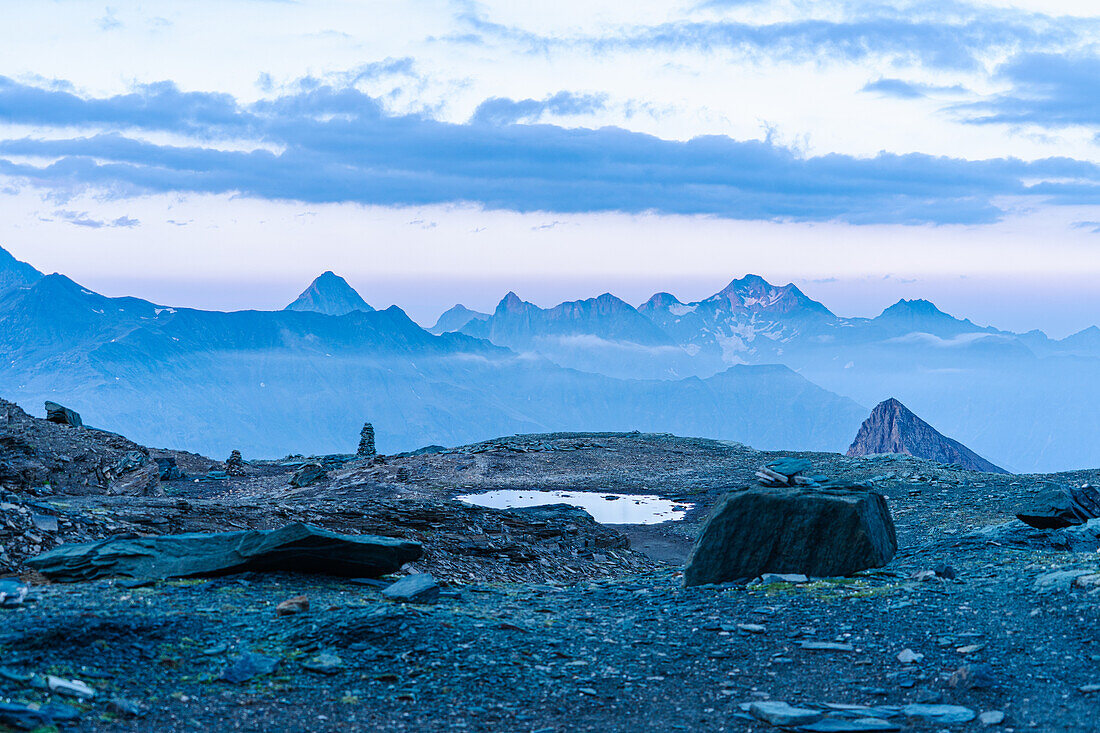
[(786, 472), (234, 465), (366, 442)]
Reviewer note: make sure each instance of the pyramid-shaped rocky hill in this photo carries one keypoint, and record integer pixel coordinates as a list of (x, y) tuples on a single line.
[(893, 428), (330, 294)]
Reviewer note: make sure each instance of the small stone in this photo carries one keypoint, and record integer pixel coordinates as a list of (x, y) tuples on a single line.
[(587, 691), (751, 628), (946, 572), (415, 588), (216, 649), (291, 606), (324, 663), (249, 665), (970, 648), (70, 688), (908, 656), (826, 646), (44, 522), (991, 717), (973, 677), (1089, 688), (782, 714), (1088, 581), (123, 707)]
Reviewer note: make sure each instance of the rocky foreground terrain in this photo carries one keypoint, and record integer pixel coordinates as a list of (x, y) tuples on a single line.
[(543, 619)]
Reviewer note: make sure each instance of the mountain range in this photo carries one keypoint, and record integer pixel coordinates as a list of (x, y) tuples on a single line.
[(274, 382), (1021, 399), (757, 363)]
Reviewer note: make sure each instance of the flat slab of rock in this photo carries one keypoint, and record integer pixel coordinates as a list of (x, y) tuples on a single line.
[(294, 548), (416, 588), (811, 531), (780, 713), (857, 725)]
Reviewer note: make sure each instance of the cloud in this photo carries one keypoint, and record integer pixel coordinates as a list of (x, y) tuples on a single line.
[(1092, 226), (939, 34), (83, 219), (161, 106), (901, 89), (324, 144), (504, 111), (1049, 90), (109, 21)]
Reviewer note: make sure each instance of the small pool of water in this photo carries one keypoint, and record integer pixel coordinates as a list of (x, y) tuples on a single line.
[(604, 508)]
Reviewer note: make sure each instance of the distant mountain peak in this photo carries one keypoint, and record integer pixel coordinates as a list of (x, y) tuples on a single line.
[(917, 307), (512, 303), (455, 317), (754, 293), (661, 300), (330, 294), (894, 428), (748, 282)]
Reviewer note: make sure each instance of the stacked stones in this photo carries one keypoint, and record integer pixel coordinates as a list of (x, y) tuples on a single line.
[(234, 465), (366, 442)]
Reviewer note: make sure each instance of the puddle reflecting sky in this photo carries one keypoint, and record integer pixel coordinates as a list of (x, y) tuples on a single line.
[(604, 508)]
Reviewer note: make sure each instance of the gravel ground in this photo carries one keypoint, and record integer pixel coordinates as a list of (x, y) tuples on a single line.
[(614, 644)]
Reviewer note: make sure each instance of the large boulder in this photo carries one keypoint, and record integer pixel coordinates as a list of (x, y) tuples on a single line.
[(63, 415), (295, 548), (1061, 507), (812, 531)]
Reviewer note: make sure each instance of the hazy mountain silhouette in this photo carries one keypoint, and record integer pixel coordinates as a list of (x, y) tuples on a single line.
[(455, 318)]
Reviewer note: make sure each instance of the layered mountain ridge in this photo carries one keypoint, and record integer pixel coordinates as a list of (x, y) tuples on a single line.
[(754, 362), (274, 382)]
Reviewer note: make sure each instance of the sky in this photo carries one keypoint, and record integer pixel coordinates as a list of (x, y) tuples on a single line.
[(221, 154)]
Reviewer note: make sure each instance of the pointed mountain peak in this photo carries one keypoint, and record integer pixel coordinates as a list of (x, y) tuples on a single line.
[(512, 303), (893, 428), (330, 294)]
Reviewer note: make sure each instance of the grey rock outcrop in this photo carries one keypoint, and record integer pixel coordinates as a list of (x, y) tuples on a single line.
[(893, 428), (308, 475), (45, 457), (815, 532), (63, 415), (295, 548)]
